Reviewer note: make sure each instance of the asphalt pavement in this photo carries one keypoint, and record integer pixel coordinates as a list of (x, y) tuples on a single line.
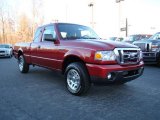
[(41, 95)]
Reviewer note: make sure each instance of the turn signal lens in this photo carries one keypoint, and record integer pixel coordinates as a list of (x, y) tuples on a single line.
[(98, 56)]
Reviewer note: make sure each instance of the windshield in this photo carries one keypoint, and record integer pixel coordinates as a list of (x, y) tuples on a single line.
[(155, 36), (4, 46), (134, 37), (113, 38), (73, 31)]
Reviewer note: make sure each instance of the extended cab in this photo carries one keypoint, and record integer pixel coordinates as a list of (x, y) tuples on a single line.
[(80, 55)]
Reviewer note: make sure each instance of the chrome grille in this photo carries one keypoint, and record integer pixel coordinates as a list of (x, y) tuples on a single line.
[(2, 51), (127, 55), (145, 47)]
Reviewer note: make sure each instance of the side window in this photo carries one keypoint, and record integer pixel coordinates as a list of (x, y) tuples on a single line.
[(49, 30), (85, 33), (37, 35), (63, 34), (156, 36)]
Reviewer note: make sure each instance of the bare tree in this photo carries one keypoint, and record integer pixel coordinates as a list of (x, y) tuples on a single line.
[(19, 28), (24, 29), (7, 23), (38, 19), (10, 29), (2, 22)]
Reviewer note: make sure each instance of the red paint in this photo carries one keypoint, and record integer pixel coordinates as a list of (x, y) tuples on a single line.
[(52, 54)]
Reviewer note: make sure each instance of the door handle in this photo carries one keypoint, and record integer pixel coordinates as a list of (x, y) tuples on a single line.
[(39, 46)]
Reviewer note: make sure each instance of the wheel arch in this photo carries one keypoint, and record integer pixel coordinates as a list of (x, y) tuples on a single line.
[(70, 59), (20, 52)]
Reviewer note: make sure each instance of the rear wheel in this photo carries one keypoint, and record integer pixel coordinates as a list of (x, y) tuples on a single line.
[(77, 78), (23, 66)]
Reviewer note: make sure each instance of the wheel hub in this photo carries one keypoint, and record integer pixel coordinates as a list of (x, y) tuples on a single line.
[(21, 62), (73, 80)]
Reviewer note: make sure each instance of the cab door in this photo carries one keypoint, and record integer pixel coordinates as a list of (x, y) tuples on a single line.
[(35, 46), (47, 50)]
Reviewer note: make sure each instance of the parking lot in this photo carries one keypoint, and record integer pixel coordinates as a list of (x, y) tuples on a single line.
[(41, 95)]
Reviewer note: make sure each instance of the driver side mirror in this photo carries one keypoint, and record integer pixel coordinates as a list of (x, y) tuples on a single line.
[(49, 37)]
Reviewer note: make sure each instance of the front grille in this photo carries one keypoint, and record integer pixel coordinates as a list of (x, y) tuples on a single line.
[(142, 46), (2, 51), (131, 73), (145, 47), (127, 55)]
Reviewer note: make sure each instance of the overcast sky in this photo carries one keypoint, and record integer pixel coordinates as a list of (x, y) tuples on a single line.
[(143, 15)]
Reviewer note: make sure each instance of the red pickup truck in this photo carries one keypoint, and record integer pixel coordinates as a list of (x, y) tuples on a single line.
[(80, 55)]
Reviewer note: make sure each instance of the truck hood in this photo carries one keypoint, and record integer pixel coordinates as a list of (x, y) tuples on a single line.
[(100, 44)]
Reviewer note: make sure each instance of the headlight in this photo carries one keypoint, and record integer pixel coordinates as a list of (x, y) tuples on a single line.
[(154, 47), (105, 56), (140, 55)]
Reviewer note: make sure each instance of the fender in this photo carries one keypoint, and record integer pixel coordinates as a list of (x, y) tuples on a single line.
[(74, 53), (20, 50), (27, 57)]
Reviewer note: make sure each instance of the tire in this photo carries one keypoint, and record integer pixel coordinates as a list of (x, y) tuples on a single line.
[(77, 78), (23, 66)]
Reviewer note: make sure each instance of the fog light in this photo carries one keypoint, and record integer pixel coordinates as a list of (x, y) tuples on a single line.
[(140, 70), (109, 76)]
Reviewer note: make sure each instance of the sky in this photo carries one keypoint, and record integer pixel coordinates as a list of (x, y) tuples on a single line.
[(108, 16)]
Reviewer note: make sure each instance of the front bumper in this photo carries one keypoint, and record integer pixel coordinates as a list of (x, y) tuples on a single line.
[(5, 55), (99, 73), (150, 57)]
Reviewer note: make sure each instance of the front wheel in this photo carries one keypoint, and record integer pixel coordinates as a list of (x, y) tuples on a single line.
[(23, 66), (77, 78)]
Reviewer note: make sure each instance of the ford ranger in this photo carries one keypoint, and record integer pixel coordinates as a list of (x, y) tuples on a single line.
[(78, 53)]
